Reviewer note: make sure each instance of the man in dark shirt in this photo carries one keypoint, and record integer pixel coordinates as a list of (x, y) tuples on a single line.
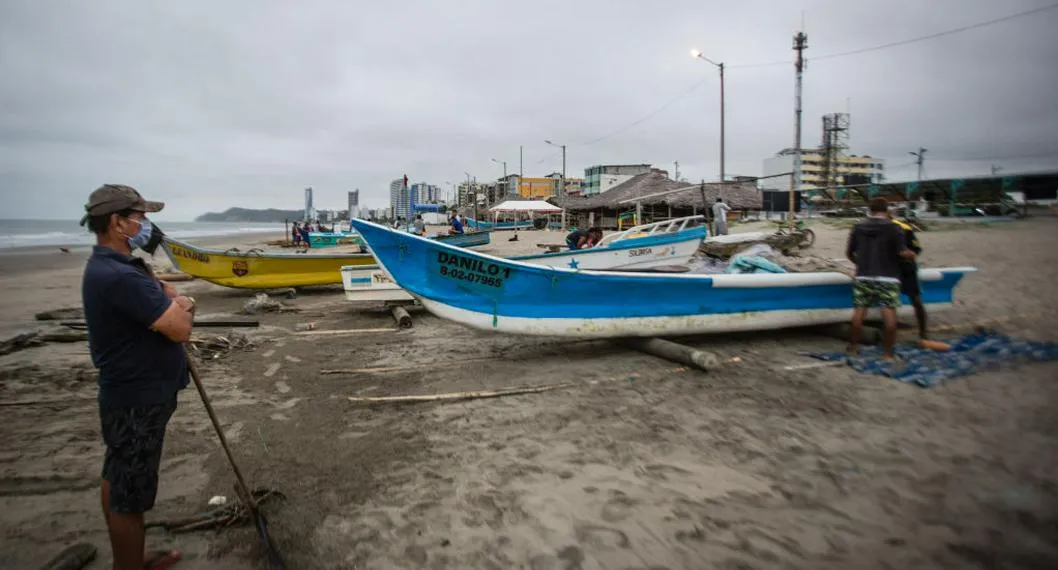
[(136, 325), (455, 225), (581, 239), (877, 247)]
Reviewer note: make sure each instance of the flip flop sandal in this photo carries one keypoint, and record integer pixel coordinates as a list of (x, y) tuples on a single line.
[(161, 559)]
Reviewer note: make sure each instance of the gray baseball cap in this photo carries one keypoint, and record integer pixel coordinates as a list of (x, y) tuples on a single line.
[(110, 198)]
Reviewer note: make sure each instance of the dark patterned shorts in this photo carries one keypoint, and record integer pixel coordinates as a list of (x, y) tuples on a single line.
[(869, 293), (134, 439)]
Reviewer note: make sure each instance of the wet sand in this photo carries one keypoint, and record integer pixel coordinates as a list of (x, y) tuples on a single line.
[(642, 464)]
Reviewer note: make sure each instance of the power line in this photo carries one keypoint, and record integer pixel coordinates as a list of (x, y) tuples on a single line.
[(1009, 157), (697, 85), (650, 115), (912, 40)]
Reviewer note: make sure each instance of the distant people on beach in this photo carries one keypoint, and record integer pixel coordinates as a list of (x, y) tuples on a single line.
[(455, 224), (582, 239), (879, 249)]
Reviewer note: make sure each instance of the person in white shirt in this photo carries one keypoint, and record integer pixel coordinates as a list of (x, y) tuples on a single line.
[(720, 210)]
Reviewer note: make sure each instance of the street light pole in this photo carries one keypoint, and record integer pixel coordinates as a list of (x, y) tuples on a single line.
[(720, 66), (563, 189), (506, 183)]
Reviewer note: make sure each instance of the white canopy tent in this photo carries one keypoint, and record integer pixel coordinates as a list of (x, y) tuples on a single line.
[(526, 207), (531, 209)]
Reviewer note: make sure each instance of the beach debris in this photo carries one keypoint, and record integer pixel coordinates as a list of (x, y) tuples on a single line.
[(211, 347), (305, 326), (678, 353), (175, 276), (401, 316), (226, 516), (68, 313), (72, 558), (340, 332), (451, 396), (395, 369), (261, 303), (40, 338), (218, 500)]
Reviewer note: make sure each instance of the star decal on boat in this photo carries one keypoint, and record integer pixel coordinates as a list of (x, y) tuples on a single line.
[(573, 264)]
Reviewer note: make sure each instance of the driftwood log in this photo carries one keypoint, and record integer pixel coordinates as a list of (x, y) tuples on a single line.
[(64, 314), (678, 353), (73, 558), (40, 338), (401, 316), (175, 276)]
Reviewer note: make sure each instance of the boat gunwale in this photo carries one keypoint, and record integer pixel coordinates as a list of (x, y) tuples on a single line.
[(166, 240), (764, 279)]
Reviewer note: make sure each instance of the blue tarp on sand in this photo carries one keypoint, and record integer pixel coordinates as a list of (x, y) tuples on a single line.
[(978, 352)]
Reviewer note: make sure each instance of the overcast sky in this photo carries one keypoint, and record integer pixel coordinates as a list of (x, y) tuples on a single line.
[(207, 105)]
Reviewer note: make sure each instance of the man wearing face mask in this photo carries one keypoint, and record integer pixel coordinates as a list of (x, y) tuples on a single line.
[(136, 326)]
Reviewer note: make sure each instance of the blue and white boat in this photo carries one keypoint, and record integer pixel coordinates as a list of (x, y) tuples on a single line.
[(491, 293), (468, 239), (644, 247), (499, 226)]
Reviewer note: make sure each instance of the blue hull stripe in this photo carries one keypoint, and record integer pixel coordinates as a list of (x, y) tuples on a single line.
[(490, 285)]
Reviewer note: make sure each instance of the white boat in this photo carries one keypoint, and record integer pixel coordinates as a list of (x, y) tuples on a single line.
[(640, 248), (495, 294)]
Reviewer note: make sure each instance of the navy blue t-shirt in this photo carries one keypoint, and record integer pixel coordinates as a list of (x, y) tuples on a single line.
[(137, 366)]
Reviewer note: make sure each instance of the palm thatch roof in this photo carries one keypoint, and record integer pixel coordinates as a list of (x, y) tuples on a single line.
[(738, 195)]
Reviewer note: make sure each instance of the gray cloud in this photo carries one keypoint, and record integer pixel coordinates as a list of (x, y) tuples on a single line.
[(211, 105)]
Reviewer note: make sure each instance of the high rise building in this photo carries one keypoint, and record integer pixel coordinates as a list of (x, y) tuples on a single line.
[(354, 204), (310, 210), (399, 198)]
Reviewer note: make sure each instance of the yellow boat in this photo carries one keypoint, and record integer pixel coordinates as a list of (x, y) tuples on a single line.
[(256, 269)]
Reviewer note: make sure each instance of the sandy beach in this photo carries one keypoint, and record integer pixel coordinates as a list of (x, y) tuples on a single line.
[(642, 464)]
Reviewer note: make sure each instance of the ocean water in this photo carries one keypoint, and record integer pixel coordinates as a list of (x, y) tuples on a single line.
[(35, 233)]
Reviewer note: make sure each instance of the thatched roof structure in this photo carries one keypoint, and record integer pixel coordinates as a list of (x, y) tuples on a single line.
[(738, 195)]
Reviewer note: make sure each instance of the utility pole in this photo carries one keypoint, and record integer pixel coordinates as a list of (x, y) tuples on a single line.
[(676, 176), (719, 65), (996, 169), (800, 44), (563, 164), (920, 157)]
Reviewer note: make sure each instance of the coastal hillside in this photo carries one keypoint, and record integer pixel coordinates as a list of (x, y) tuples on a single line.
[(248, 215)]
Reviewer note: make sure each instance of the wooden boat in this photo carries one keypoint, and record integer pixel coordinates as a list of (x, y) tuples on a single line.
[(499, 226), (257, 269), (644, 247), (468, 239), (490, 293), (332, 239)]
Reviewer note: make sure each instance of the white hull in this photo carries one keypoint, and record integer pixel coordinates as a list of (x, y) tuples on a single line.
[(654, 326), (371, 284), (641, 258)]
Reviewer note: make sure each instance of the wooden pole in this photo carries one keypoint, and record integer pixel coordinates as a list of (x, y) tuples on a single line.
[(401, 316), (678, 353)]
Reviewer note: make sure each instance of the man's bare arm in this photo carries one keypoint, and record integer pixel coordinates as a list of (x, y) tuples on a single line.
[(176, 322)]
